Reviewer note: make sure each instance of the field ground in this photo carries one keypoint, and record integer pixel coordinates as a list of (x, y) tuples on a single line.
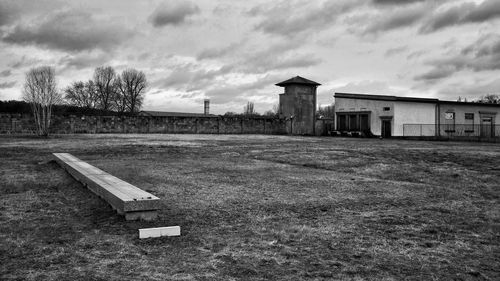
[(255, 208)]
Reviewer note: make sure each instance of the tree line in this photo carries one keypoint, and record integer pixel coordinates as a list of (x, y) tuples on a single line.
[(109, 91)]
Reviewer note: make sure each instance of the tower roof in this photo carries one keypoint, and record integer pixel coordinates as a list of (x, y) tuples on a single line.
[(298, 80)]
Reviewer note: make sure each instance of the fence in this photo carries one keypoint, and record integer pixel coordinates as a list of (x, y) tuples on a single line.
[(452, 130)]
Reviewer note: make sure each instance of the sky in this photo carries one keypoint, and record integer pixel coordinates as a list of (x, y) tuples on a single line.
[(234, 51)]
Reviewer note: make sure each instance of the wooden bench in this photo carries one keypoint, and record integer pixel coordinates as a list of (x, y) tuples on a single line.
[(126, 199)]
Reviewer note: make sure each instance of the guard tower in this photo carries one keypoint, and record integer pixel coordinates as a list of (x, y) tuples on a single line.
[(298, 105)]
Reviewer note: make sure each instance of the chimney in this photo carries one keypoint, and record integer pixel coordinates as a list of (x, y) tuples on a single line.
[(207, 106)]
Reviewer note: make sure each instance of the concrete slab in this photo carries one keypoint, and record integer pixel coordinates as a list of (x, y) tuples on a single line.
[(159, 232)]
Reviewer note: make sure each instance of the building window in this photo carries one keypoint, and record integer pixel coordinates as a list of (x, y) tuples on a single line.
[(387, 108), (449, 122), (353, 122), (469, 122)]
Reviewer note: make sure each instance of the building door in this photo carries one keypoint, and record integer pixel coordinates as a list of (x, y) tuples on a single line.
[(386, 128), (486, 127), (364, 126)]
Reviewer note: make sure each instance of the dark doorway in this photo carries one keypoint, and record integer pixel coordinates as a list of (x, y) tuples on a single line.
[(364, 126), (386, 128), (486, 127)]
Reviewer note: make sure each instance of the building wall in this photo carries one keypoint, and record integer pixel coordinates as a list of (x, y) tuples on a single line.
[(461, 109), (414, 113), (24, 124), (376, 108), (299, 102)]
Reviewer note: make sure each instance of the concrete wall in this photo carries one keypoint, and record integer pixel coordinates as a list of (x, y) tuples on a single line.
[(414, 113), (24, 124)]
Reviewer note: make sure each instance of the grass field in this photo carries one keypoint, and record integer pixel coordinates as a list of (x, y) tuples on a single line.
[(255, 208)]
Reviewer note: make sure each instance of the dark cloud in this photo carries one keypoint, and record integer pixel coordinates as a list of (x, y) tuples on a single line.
[(415, 55), (446, 18), (24, 61), (481, 55), (11, 10), (213, 53), (8, 13), (395, 51), (487, 10), (6, 85), (437, 73), (291, 18), (465, 13), (173, 13), (398, 18), (6, 73), (71, 31)]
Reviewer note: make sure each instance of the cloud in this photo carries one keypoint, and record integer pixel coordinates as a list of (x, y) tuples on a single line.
[(446, 18), (415, 55), (24, 61), (192, 77), (83, 60), (470, 90), (212, 53), (398, 18), (395, 2), (241, 92), (276, 57), (173, 13), (437, 73), (394, 51), (365, 86), (70, 30), (6, 73), (7, 84), (285, 19), (465, 13), (481, 55)]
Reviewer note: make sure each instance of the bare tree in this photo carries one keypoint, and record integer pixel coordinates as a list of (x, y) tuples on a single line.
[(490, 98), (132, 86), (41, 93), (82, 94), (105, 84), (327, 111), (120, 100), (249, 109)]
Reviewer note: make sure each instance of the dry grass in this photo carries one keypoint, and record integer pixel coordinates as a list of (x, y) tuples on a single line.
[(255, 208)]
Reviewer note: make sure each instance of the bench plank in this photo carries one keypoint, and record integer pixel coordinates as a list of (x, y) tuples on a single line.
[(125, 198)]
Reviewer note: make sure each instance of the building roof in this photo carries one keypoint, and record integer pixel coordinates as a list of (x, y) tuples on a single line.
[(385, 98), (409, 99), (173, 114), (297, 80)]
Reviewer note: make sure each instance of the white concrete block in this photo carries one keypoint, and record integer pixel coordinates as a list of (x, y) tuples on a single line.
[(159, 232)]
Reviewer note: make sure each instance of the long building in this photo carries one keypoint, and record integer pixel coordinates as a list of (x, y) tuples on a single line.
[(386, 116)]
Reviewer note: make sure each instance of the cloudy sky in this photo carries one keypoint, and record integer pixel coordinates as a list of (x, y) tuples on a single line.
[(234, 51)]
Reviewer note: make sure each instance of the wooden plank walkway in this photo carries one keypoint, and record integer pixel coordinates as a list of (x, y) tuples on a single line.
[(126, 199)]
